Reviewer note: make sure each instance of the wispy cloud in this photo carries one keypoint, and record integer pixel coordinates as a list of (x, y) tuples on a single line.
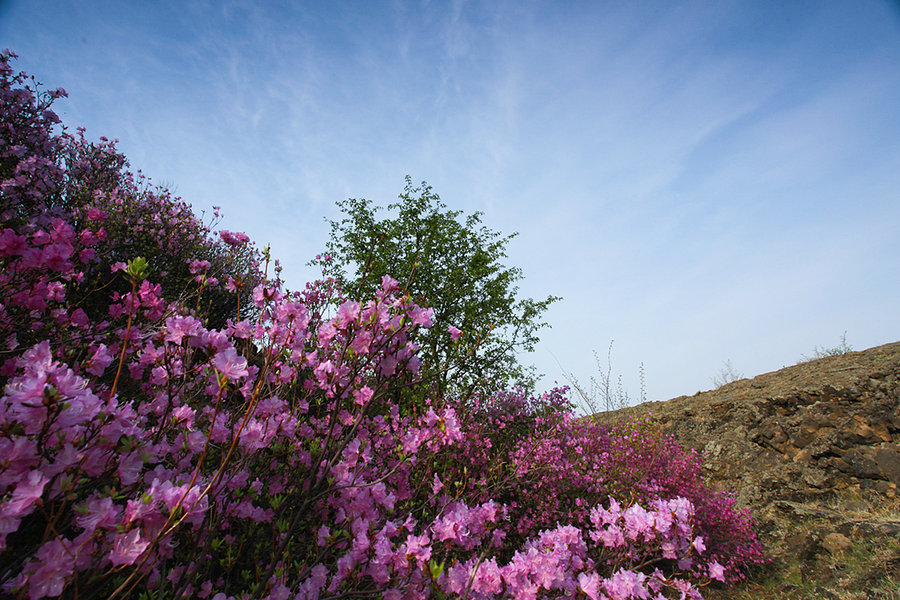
[(699, 182)]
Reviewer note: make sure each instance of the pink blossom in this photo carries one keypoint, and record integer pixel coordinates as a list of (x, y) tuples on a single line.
[(363, 395), (488, 578), (100, 512), (130, 467), (233, 238), (230, 364), (362, 342), (698, 544), (99, 361), (421, 316), (590, 585), (638, 522), (346, 314), (454, 332), (55, 566), (389, 284), (198, 266), (11, 244), (178, 328), (716, 571), (418, 548), (625, 584), (26, 494)]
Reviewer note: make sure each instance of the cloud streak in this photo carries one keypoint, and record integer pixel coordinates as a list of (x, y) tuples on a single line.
[(700, 183)]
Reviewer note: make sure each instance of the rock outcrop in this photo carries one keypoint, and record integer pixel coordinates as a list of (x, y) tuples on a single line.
[(812, 450)]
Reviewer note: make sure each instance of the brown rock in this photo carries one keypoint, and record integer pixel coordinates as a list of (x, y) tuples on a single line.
[(801, 544), (882, 431), (862, 466), (888, 462), (836, 543), (858, 431)]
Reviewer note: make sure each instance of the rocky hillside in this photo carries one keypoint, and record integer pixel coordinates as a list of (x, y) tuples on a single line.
[(813, 451)]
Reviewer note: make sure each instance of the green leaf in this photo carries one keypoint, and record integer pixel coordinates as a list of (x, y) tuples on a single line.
[(435, 568), (137, 269)]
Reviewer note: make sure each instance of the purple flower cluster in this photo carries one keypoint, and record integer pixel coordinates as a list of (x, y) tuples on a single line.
[(173, 420)]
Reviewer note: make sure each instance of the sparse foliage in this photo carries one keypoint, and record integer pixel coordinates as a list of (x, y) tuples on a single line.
[(603, 394), (823, 352), (726, 375)]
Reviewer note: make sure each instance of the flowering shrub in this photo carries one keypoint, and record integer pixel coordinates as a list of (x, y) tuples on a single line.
[(567, 466), (161, 439), (549, 467), (562, 561)]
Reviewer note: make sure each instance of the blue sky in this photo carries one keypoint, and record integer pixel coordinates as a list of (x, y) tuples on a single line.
[(701, 182)]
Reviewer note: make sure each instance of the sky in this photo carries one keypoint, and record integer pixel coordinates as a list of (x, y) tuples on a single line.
[(700, 182)]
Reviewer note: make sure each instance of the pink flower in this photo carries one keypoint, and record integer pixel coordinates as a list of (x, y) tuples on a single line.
[(454, 332), (457, 578), (488, 578), (626, 584), (698, 544), (79, 319), (95, 214), (389, 284), (590, 584), (363, 396), (346, 314), (101, 512), (196, 266), (26, 494), (127, 548), (229, 364), (417, 547), (323, 534), (130, 467), (178, 328), (638, 522), (716, 571), (98, 362), (421, 316), (362, 342), (55, 566), (234, 238), (11, 244)]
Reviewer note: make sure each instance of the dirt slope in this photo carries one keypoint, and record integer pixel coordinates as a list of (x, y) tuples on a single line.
[(813, 451)]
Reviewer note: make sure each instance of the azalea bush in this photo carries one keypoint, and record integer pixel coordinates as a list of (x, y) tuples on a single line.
[(174, 423), (568, 466)]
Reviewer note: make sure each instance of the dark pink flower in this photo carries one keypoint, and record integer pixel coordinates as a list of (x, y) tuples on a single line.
[(26, 494), (56, 565), (363, 395), (127, 547), (233, 238)]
